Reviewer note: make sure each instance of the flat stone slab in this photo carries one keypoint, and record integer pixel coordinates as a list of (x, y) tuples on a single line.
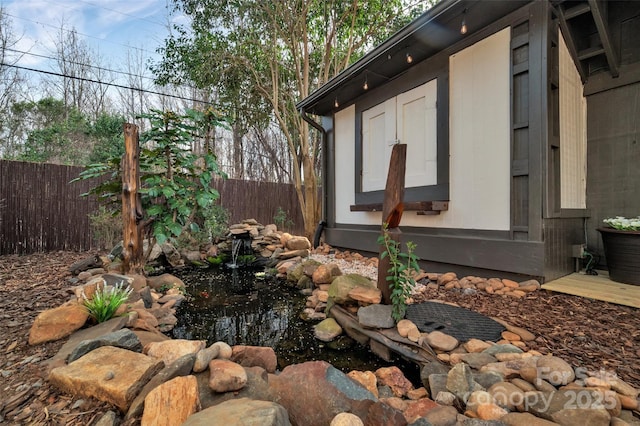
[(110, 374)]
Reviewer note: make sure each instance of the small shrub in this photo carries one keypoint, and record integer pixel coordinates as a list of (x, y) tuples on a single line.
[(282, 220), (216, 222), (105, 302), (106, 227)]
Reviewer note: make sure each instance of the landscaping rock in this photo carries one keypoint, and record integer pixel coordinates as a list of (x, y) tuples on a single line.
[(204, 356), (224, 350), (555, 370), (420, 408), (460, 381), (164, 281), (367, 379), (180, 367), (109, 374), (170, 350), (346, 419), (404, 326), (343, 284), (395, 379), (172, 402), (255, 356), (241, 412), (125, 339), (56, 323), (327, 330), (376, 316), (226, 376), (95, 332), (441, 341), (314, 392), (365, 295), (324, 274)]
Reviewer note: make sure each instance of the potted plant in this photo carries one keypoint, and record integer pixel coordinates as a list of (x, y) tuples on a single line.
[(621, 240)]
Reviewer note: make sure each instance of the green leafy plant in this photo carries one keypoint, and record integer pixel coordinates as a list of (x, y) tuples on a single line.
[(216, 222), (282, 220), (399, 275), (106, 301), (623, 223), (175, 182)]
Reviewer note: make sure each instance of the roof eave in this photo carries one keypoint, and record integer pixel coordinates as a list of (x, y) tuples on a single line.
[(360, 65)]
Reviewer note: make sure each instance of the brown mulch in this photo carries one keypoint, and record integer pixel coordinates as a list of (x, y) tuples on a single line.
[(28, 285), (587, 333)]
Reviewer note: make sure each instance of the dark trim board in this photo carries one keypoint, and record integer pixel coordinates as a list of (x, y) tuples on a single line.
[(518, 257)]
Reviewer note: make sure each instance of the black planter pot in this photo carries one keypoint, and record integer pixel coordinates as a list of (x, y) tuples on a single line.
[(622, 251)]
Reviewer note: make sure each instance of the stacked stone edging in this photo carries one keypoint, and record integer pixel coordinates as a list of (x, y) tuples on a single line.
[(184, 382)]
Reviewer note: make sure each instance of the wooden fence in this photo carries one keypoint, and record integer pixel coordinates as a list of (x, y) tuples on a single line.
[(40, 211)]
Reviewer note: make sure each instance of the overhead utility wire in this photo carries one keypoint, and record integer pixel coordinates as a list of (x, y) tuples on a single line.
[(119, 12), (120, 86), (77, 32), (79, 63)]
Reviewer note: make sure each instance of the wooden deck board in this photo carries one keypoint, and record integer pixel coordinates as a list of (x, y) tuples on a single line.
[(598, 287)]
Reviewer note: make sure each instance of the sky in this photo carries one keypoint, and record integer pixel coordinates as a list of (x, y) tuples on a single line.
[(110, 27)]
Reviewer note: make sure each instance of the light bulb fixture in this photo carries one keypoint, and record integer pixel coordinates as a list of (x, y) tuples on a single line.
[(365, 86), (335, 103), (463, 27), (409, 58)]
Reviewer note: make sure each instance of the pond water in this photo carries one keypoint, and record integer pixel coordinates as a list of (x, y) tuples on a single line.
[(233, 306)]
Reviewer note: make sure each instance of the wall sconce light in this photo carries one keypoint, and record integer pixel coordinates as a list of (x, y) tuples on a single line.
[(335, 103), (463, 27), (409, 58), (365, 86)]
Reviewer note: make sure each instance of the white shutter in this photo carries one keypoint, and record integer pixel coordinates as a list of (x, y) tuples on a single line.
[(416, 126), (378, 134)]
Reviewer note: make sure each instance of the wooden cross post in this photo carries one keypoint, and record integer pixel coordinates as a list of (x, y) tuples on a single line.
[(131, 202), (392, 208)]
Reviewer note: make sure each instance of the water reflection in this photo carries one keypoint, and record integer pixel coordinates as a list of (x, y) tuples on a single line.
[(232, 306)]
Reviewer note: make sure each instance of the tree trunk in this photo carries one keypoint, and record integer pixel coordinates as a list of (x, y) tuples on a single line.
[(392, 212), (131, 202)]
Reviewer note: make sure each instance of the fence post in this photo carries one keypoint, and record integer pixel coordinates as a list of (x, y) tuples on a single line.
[(131, 202)]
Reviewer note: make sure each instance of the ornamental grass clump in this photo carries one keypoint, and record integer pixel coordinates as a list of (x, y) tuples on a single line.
[(623, 224), (106, 301)]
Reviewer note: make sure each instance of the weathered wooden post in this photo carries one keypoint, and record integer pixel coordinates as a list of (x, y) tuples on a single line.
[(392, 208), (131, 202)]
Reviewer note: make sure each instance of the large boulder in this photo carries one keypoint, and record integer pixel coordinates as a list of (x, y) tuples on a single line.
[(54, 324), (109, 374), (172, 402), (315, 392), (343, 284)]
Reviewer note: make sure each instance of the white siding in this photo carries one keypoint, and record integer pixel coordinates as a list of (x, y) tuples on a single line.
[(479, 126), (479, 145), (573, 137)]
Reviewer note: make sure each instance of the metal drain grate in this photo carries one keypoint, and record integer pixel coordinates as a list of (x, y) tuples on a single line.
[(460, 323)]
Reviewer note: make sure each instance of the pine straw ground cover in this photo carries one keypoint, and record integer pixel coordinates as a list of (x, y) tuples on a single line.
[(587, 333)]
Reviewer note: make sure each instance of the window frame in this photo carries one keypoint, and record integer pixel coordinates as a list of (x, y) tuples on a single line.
[(433, 68)]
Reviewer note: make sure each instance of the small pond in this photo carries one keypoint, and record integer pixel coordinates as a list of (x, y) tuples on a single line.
[(233, 306)]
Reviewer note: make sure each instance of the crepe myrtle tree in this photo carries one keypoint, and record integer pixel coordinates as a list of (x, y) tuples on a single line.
[(175, 182)]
